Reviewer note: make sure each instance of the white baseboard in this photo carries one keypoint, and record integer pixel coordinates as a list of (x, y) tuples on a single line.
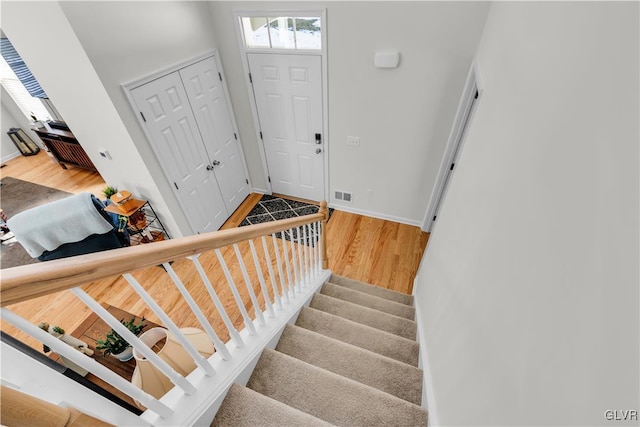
[(9, 157), (378, 215), (428, 398), (259, 190)]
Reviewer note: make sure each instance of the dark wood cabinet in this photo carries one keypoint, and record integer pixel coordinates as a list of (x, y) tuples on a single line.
[(65, 148)]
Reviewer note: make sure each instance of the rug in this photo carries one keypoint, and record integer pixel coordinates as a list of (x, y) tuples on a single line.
[(273, 208), (17, 196)]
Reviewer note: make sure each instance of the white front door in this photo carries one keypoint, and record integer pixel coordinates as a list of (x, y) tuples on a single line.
[(288, 93), (203, 85), (168, 116)]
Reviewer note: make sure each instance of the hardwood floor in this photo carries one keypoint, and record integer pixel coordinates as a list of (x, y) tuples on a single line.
[(380, 252), (40, 169), (383, 253)]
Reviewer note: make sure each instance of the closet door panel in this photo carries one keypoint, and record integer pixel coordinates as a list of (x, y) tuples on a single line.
[(206, 95), (176, 140)]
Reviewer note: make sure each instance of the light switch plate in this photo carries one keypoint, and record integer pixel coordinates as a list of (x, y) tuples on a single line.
[(353, 140)]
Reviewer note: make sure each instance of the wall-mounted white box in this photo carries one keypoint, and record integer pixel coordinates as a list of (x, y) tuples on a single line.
[(387, 59)]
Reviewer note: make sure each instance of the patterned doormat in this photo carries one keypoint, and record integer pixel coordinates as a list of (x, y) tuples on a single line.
[(273, 208)]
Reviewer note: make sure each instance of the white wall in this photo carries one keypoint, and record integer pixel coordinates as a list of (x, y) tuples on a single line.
[(128, 40), (12, 116), (7, 148), (69, 78), (529, 286), (107, 44), (225, 31), (403, 116)]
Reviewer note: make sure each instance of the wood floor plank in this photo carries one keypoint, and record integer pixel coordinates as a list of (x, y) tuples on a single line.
[(243, 210), (40, 169), (383, 253)]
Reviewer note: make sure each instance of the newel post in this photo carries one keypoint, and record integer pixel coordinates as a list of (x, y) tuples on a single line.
[(323, 235)]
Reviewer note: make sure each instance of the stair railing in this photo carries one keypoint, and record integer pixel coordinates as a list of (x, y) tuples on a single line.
[(298, 262)]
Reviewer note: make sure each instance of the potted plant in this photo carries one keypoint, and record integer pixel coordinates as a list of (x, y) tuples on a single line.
[(72, 341), (115, 345), (109, 191)]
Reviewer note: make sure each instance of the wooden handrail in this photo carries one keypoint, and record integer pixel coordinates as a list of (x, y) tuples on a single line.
[(35, 280), (21, 409)]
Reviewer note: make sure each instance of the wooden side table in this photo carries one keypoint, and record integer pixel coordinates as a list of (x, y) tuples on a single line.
[(144, 224), (92, 329)]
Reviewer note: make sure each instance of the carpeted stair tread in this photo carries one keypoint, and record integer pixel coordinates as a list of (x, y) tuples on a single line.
[(245, 407), (329, 396), (368, 300), (367, 316), (359, 335), (380, 372), (371, 289)]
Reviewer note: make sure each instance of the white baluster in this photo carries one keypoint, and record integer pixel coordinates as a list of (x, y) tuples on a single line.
[(305, 253), (272, 277), (296, 283), (135, 342), (285, 253), (235, 336), (169, 323), (307, 241), (263, 284), (303, 279), (88, 363), (314, 249), (285, 290), (247, 281), (248, 323), (318, 249), (217, 342)]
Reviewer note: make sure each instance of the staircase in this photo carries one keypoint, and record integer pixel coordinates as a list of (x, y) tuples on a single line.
[(350, 359)]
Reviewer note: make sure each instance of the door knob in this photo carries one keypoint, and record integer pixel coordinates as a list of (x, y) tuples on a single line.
[(318, 150), (209, 167), (216, 162)]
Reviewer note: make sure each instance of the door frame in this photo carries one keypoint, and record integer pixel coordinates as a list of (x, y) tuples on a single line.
[(129, 86), (467, 107), (237, 14)]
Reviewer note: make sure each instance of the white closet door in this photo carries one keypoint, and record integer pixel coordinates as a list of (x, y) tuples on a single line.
[(203, 85), (177, 142)]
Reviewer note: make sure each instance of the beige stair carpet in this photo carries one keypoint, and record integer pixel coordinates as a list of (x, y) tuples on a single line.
[(350, 360), (367, 300), (359, 335), (380, 372), (370, 289), (367, 316), (329, 396), (243, 407)]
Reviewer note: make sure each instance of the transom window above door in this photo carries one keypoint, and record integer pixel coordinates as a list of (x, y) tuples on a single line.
[(282, 32)]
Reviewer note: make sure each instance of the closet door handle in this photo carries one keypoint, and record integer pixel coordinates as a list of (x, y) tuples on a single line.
[(216, 163), (209, 167)]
